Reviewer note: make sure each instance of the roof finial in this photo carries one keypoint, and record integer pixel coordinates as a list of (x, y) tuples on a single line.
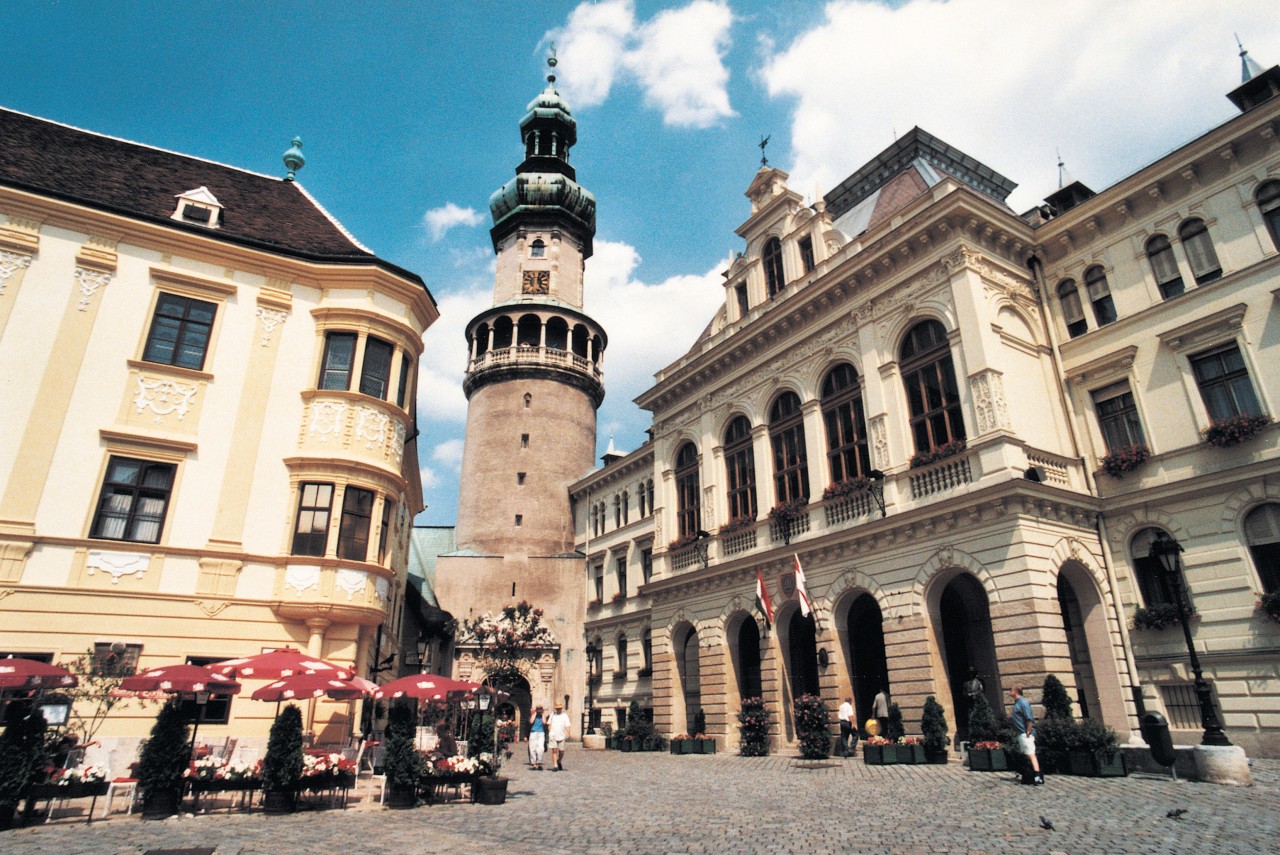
[(293, 159), (1064, 177), (764, 141), (552, 62), (1248, 65)]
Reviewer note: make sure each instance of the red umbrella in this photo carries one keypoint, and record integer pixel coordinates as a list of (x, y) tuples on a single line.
[(181, 680), (366, 686), (284, 662), (308, 686), (27, 674), (430, 687)]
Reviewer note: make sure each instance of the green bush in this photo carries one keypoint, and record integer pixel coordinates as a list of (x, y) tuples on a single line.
[(401, 761), (282, 767), (699, 723), (753, 728), (638, 726), (933, 725), (896, 730), (21, 751), (982, 721), (165, 756), (480, 737), (1095, 737), (1057, 703), (813, 727)]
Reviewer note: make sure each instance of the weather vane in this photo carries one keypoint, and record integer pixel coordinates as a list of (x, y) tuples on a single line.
[(764, 141), (551, 61)]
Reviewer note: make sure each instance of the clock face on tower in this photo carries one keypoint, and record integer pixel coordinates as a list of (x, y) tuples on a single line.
[(536, 282)]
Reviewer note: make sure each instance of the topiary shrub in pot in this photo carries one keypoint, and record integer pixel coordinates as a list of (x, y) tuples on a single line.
[(813, 727), (21, 756), (401, 761), (753, 728), (164, 759), (896, 730), (1056, 731), (933, 725), (986, 751), (282, 766)]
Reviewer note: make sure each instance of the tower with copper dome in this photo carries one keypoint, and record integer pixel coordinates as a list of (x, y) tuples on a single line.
[(533, 383)]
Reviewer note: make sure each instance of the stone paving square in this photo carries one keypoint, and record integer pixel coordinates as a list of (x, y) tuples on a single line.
[(611, 802)]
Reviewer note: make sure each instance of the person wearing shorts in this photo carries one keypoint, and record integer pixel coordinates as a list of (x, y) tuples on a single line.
[(1024, 721), (537, 738), (558, 733)]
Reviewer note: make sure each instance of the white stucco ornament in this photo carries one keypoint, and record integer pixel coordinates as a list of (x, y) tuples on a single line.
[(302, 578), (118, 564), (351, 581)]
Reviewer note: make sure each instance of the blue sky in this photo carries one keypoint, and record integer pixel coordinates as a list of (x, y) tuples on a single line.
[(408, 113)]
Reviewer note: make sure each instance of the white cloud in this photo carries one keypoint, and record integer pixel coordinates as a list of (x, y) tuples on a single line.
[(449, 453), (1113, 86), (444, 358), (429, 478), (438, 221), (677, 58)]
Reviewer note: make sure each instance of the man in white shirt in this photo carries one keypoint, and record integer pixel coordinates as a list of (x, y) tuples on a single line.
[(846, 726), (558, 734)]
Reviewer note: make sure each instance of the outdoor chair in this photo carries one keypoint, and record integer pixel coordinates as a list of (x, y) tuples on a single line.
[(126, 787)]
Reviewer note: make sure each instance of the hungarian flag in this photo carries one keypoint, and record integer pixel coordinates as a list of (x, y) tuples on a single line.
[(762, 600), (806, 607)]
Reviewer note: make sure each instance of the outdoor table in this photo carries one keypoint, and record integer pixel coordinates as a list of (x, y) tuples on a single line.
[(50, 793)]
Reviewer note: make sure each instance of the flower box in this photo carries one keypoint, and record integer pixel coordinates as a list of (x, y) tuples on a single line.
[(1158, 617), (708, 745), (1235, 430), (988, 760), (879, 755), (677, 746), (628, 745), (77, 790), (1269, 605), (1092, 764), (911, 755), (693, 746), (942, 452), (1125, 460)]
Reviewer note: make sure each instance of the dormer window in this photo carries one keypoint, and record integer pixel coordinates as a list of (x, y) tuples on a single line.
[(537, 249), (199, 206)]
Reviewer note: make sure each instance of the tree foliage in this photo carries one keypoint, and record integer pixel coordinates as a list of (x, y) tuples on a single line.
[(638, 726), (21, 750), (813, 727), (282, 767), (1057, 703), (982, 721), (896, 730), (91, 699), (401, 761), (506, 641), (933, 726), (753, 728), (166, 753)]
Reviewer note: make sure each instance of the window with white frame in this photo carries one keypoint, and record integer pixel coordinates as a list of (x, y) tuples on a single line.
[(1164, 266), (1072, 308), (311, 532), (1198, 246), (1117, 416), (620, 573), (1095, 283)]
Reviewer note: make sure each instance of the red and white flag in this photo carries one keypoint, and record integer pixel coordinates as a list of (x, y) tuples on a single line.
[(762, 600), (806, 607)]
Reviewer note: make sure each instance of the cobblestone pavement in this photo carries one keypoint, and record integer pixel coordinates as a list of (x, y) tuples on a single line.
[(608, 802)]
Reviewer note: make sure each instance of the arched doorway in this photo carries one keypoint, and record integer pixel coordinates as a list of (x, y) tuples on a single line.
[(868, 665), (1077, 645), (520, 703), (690, 678), (746, 655), (966, 643), (802, 658)]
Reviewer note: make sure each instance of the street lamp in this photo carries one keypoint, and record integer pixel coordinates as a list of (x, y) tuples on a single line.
[(1166, 550), (876, 489), (423, 644), (589, 726)]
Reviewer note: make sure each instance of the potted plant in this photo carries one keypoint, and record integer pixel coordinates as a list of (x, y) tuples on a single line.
[(753, 728), (1094, 751), (1124, 460), (895, 731), (1056, 731), (933, 724), (942, 452), (986, 752), (879, 751), (164, 757), (21, 757), (737, 524), (639, 730), (282, 766), (1157, 617), (678, 743), (813, 727), (911, 751), (1224, 433), (402, 763), (846, 488), (488, 788), (785, 515)]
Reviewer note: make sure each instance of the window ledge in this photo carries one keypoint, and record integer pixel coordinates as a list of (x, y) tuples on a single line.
[(172, 370)]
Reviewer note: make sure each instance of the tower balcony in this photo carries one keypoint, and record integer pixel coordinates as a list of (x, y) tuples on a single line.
[(551, 342)]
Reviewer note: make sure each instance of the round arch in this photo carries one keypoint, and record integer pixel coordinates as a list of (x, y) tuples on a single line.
[(958, 605), (1086, 623)]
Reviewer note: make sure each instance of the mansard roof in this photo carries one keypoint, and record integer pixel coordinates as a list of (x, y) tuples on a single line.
[(135, 180)]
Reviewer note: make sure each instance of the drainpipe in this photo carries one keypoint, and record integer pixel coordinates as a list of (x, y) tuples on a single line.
[(1099, 522)]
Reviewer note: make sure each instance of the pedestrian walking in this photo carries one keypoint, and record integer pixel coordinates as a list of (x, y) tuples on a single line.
[(881, 709), (537, 738), (558, 733), (1024, 721), (846, 726)]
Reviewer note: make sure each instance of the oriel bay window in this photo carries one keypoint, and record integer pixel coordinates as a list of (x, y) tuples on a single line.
[(930, 380), (315, 503), (790, 459), (133, 501), (315, 507), (338, 366), (688, 505), (740, 466), (847, 453), (353, 531)]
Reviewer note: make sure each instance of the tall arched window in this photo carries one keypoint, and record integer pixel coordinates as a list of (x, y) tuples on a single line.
[(648, 490), (1199, 248), (687, 490), (646, 649), (930, 380), (1072, 310), (740, 466), (1153, 582), (622, 655), (537, 249), (771, 259), (1095, 282), (847, 454), (1164, 266), (1268, 199), (1262, 533), (790, 460)]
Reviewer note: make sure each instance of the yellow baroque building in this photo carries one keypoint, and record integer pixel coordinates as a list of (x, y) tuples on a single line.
[(967, 425), (208, 414)]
